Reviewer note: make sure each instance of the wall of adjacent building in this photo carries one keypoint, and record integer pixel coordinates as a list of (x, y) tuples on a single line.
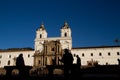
[(104, 55), (7, 58)]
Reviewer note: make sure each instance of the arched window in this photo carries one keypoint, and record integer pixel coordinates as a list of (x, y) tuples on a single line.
[(100, 54), (109, 54), (39, 61), (91, 54), (52, 49), (40, 35), (28, 55), (65, 34), (83, 55), (118, 53), (9, 62), (9, 56)]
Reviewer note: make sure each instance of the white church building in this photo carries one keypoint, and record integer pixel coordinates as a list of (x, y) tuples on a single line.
[(103, 55)]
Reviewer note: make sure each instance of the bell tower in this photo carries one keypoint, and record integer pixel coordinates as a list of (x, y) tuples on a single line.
[(66, 39), (65, 30), (41, 34)]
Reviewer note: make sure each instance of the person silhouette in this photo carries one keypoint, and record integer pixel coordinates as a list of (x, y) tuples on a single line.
[(67, 59), (78, 61), (20, 65), (20, 61)]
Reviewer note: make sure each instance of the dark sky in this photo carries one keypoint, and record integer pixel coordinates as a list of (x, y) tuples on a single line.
[(93, 22)]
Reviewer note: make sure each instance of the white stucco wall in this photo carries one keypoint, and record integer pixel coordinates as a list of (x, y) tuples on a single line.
[(5, 57), (103, 59)]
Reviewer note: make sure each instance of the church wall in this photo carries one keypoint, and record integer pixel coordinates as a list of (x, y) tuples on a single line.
[(102, 60)]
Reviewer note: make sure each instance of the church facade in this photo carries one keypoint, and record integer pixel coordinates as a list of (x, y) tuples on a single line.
[(48, 51)]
